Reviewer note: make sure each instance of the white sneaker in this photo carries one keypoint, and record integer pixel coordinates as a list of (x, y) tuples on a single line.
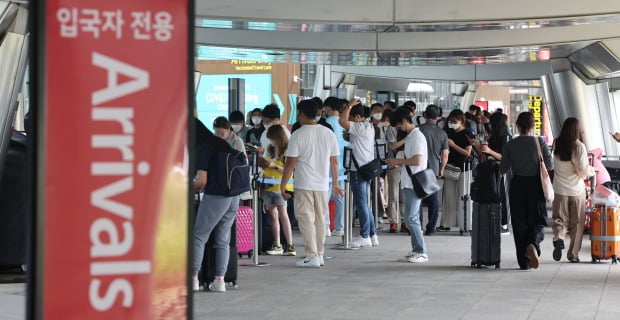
[(374, 240), (420, 258), (309, 262), (217, 286), (196, 284), (328, 233), (413, 257), (321, 260), (360, 242), (338, 233)]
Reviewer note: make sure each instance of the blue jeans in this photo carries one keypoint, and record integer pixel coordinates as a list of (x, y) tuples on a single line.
[(412, 219), (433, 212), (360, 199)]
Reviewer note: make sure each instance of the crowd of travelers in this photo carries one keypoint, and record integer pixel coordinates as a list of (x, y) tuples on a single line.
[(450, 146)]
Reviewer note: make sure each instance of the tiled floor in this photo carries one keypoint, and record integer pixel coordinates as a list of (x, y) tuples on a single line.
[(370, 284)]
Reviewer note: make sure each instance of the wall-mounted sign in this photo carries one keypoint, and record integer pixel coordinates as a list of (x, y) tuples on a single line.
[(212, 95), (247, 65), (536, 107)]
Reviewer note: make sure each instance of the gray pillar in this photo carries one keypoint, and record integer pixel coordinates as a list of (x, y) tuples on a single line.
[(236, 95), (568, 96)]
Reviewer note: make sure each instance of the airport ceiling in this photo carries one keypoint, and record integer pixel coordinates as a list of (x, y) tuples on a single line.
[(403, 33)]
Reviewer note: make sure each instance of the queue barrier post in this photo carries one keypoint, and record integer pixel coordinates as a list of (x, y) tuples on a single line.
[(255, 209)]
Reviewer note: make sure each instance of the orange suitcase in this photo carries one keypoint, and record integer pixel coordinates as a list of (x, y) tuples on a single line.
[(605, 234)]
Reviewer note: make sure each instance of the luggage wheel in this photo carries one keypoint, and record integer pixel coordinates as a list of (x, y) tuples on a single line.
[(614, 260), (473, 264), (497, 266), (250, 254), (593, 259)]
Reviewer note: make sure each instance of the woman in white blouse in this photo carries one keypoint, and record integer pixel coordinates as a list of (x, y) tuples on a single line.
[(571, 168)]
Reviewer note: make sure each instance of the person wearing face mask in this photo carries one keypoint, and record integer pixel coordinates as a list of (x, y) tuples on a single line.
[(453, 190), (362, 139), (333, 109), (318, 118), (376, 112), (396, 146), (271, 116), (224, 130), (415, 159), (237, 123), (254, 134)]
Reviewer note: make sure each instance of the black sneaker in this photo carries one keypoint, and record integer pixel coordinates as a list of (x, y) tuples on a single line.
[(442, 228), (558, 245)]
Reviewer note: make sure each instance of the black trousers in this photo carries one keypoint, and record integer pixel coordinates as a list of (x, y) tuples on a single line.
[(529, 215)]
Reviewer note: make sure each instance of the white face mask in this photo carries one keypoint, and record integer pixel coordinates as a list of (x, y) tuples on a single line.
[(236, 127), (454, 126), (377, 116), (317, 119), (267, 126), (256, 120)]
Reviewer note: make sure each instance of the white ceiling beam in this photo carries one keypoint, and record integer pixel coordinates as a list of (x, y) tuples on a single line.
[(486, 72), (401, 11), (405, 41)]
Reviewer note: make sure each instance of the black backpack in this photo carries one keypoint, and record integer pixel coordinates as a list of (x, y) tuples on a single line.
[(232, 176), (486, 184)]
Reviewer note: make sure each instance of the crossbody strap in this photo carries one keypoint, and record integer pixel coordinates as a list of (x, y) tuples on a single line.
[(540, 157), (354, 161)]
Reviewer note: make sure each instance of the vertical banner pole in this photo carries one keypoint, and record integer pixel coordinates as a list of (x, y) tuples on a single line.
[(112, 208)]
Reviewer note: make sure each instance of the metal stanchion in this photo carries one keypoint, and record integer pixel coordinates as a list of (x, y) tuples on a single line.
[(375, 200), (255, 208), (348, 216)]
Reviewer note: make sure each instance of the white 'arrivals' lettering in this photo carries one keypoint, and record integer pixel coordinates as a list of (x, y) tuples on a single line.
[(106, 238)]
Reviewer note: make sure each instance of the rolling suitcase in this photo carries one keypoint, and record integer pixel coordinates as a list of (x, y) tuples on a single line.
[(14, 188), (245, 231), (605, 234), (207, 270), (485, 235)]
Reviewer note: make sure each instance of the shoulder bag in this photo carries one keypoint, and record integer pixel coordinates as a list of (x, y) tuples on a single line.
[(545, 180), (370, 170), (424, 182), (452, 173)]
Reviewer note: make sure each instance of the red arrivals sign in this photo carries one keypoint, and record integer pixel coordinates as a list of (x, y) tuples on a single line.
[(114, 179)]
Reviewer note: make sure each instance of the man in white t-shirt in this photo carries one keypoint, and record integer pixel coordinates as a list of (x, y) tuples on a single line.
[(362, 138), (312, 152), (416, 157), (271, 117)]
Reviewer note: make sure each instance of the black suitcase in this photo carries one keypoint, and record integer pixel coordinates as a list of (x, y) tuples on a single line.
[(207, 270), (14, 203), (485, 236)]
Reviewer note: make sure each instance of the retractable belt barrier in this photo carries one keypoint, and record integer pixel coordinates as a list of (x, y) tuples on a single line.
[(278, 181)]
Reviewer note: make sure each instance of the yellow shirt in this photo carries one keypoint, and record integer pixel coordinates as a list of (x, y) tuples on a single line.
[(272, 173)]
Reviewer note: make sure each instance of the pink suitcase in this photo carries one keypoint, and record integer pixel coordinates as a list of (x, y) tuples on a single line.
[(245, 231)]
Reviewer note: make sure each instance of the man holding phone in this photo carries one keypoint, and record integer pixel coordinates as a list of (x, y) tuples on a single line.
[(312, 152)]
